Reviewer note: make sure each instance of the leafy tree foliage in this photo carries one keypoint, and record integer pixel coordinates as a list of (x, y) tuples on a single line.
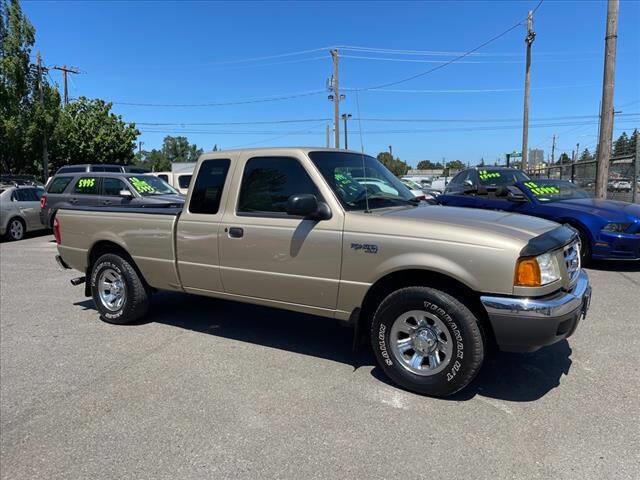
[(456, 165), (87, 132), (586, 156), (429, 165), (174, 149), (564, 158), (397, 166)]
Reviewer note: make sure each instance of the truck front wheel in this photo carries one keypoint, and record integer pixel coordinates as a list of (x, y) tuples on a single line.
[(427, 341), (117, 290)]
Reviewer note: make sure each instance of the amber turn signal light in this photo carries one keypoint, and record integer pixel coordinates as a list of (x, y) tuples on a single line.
[(528, 273)]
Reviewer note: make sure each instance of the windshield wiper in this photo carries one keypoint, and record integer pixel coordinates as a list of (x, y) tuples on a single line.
[(362, 199)]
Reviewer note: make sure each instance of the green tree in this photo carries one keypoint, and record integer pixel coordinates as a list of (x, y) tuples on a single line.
[(621, 145), (178, 149), (456, 165), (633, 141), (428, 165), (24, 120), (87, 132), (564, 158), (586, 156), (395, 165)]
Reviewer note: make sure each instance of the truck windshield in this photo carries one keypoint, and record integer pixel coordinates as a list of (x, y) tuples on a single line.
[(360, 179), (147, 185)]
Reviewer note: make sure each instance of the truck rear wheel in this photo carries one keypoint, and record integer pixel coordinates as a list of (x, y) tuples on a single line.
[(427, 341), (117, 290)]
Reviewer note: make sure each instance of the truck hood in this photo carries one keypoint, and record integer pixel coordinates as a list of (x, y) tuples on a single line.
[(495, 222), (161, 200)]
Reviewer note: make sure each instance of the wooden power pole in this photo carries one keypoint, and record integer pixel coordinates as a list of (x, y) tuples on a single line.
[(553, 150), (65, 70), (531, 35), (335, 86), (45, 152), (606, 112)]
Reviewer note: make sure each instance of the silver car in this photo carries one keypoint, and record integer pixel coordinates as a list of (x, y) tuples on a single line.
[(19, 210)]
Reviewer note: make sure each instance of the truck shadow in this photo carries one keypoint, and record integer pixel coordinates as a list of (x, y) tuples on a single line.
[(513, 377)]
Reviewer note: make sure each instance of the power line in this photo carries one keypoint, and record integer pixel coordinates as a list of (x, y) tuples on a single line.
[(220, 104), (258, 122)]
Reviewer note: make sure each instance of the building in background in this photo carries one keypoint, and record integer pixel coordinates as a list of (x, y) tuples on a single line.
[(536, 158)]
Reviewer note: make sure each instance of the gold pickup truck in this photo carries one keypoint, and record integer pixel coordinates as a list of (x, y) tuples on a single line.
[(335, 234)]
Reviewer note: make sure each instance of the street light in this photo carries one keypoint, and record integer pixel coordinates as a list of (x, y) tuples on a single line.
[(345, 117)]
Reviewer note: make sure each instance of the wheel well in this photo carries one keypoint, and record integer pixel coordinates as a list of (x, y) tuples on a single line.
[(423, 278), (101, 248)]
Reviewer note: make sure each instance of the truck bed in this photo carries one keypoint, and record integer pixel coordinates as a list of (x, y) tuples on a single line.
[(146, 234)]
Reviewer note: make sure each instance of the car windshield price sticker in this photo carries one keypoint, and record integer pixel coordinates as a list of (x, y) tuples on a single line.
[(485, 175), (538, 190), (141, 185)]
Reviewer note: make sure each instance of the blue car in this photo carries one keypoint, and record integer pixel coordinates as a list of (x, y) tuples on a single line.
[(609, 230)]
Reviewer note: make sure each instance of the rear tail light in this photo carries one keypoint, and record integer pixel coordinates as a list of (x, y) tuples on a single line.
[(43, 201), (56, 230)]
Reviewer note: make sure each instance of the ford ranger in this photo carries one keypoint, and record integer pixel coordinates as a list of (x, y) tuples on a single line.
[(433, 287)]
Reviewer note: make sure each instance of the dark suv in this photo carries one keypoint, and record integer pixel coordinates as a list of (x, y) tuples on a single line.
[(100, 167), (105, 189)]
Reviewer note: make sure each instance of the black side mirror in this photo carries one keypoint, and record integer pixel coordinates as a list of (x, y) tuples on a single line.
[(516, 196), (307, 206)]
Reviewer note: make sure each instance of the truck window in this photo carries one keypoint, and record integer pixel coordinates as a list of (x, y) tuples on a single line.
[(184, 180), (86, 186), (112, 186), (58, 184), (268, 182), (207, 191), (164, 177)]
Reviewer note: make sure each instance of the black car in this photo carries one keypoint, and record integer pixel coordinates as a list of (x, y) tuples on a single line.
[(105, 189)]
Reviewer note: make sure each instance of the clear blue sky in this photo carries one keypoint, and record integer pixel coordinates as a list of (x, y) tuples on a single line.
[(191, 53)]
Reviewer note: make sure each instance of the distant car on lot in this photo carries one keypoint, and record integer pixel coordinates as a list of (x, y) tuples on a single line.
[(19, 210), (608, 229), (105, 189), (423, 192), (620, 186), (17, 180), (178, 180), (100, 167)]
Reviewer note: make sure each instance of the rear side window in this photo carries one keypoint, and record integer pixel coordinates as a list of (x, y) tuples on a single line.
[(164, 177), (58, 184), (268, 182), (207, 191), (184, 180), (72, 169), (86, 186), (113, 186)]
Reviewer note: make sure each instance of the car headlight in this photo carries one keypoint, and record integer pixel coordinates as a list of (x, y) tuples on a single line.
[(537, 271), (616, 227)]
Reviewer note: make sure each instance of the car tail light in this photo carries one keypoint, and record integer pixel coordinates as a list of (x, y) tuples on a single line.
[(43, 201), (56, 230)]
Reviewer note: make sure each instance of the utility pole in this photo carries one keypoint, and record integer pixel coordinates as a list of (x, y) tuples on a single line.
[(328, 133), (335, 85), (66, 70), (45, 153), (531, 35), (345, 117), (578, 152), (391, 150), (606, 113), (553, 150), (636, 172)]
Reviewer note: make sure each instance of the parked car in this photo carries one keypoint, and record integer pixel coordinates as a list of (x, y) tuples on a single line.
[(422, 180), (100, 167), (178, 180), (608, 229), (18, 180), (620, 186), (422, 192), (19, 210), (105, 189), (294, 228)]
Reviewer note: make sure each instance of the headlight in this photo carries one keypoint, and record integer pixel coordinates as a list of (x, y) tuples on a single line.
[(616, 227), (537, 271)]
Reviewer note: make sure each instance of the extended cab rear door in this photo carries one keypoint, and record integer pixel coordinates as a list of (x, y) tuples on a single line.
[(267, 254), (197, 232)]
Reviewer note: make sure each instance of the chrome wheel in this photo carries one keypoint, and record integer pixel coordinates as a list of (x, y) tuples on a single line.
[(111, 289), (421, 342), (16, 229)]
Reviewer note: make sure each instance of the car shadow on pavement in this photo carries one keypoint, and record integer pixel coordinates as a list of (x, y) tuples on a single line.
[(513, 377), (614, 265)]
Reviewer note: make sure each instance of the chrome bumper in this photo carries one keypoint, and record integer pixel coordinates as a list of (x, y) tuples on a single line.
[(526, 324)]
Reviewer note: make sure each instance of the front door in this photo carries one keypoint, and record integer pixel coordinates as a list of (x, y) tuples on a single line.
[(110, 195), (267, 254)]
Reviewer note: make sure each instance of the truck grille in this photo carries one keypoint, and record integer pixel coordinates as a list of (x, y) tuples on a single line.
[(572, 260)]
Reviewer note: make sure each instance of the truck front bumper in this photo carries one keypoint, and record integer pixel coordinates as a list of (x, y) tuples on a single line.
[(527, 324)]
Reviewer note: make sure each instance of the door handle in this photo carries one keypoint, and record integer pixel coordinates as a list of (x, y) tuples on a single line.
[(73, 200), (106, 202), (236, 232)]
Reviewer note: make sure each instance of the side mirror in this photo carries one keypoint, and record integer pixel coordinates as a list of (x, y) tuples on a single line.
[(307, 206), (469, 187), (125, 194), (516, 196)]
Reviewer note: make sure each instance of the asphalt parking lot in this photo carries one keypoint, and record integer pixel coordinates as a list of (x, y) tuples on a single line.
[(214, 389)]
